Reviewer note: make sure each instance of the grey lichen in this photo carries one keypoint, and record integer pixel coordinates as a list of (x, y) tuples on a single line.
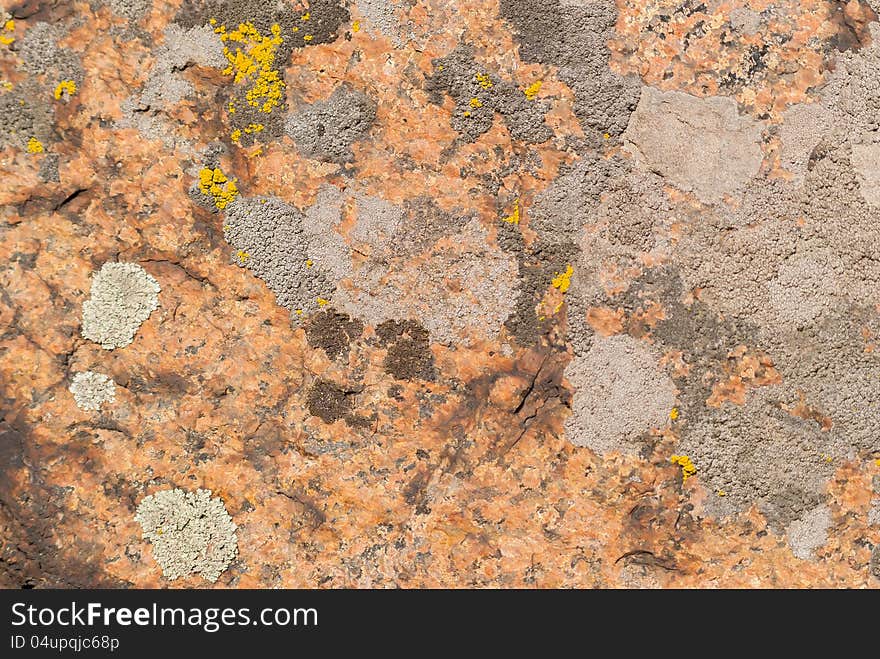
[(123, 297), (191, 533), (91, 390), (270, 241), (325, 130), (479, 95)]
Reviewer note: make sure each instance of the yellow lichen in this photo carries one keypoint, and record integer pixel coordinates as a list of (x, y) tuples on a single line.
[(356, 26), (687, 467), (607, 136), (68, 86), (34, 146), (467, 113), (254, 128), (305, 16), (322, 302), (562, 280), (475, 103), (532, 90), (242, 255), (252, 63), (722, 493), (513, 218), (8, 28), (214, 183), (309, 263), (673, 414), (484, 80), (308, 37), (236, 135)]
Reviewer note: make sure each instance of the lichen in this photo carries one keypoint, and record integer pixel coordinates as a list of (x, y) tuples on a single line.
[(252, 62), (562, 280), (123, 296), (91, 390), (6, 37), (215, 184), (532, 90), (191, 533), (35, 146), (65, 86), (688, 468)]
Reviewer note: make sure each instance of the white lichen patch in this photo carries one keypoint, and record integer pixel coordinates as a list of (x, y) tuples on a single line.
[(123, 297), (191, 533), (91, 390)]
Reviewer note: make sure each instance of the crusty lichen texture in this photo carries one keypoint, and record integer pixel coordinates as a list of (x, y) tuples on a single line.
[(123, 297), (191, 533), (92, 390)]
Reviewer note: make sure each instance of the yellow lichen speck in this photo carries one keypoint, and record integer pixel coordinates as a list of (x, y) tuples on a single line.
[(356, 26), (532, 90), (687, 467), (673, 414), (308, 37), (484, 80), (513, 218), (475, 103), (252, 63), (68, 86), (322, 302), (242, 255), (562, 280), (34, 146), (214, 183), (236, 135), (8, 29)]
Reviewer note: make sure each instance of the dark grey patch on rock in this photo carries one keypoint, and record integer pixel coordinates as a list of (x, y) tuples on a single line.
[(24, 113), (326, 129), (537, 268), (575, 39), (41, 54), (478, 95), (325, 19), (49, 169)]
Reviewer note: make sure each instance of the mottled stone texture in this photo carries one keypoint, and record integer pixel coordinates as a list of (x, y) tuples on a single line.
[(573, 293)]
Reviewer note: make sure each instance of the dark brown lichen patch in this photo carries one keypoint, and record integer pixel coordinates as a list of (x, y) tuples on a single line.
[(329, 402), (333, 332), (409, 354)]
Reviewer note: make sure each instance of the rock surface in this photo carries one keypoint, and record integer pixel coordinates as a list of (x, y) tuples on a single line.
[(449, 292)]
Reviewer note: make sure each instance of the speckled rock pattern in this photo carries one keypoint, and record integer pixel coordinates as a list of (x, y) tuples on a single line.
[(420, 293)]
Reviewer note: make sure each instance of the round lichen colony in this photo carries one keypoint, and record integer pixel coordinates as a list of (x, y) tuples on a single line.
[(123, 297), (191, 533), (91, 390)]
